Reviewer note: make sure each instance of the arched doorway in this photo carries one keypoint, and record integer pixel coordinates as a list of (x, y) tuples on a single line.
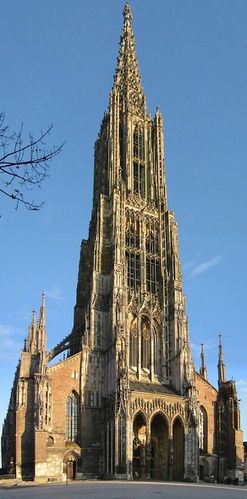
[(178, 450), (70, 462), (139, 446), (159, 448)]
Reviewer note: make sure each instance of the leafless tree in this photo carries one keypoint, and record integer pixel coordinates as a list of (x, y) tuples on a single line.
[(24, 164)]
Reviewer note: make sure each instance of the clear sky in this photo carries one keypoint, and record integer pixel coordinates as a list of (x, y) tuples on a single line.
[(57, 63)]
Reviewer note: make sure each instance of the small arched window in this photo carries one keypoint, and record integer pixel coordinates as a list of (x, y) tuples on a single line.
[(72, 413)]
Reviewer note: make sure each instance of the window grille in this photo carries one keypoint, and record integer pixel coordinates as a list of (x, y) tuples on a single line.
[(152, 256), (133, 269), (139, 161)]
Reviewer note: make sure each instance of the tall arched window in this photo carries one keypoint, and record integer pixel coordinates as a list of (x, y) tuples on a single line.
[(152, 256), (133, 344), (132, 242), (139, 161), (156, 347), (72, 413), (145, 345), (203, 430)]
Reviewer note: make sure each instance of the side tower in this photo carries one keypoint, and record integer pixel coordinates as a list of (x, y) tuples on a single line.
[(29, 409), (229, 435), (130, 301)]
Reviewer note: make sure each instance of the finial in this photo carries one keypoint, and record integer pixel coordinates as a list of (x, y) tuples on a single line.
[(221, 365), (42, 315), (34, 317), (203, 370), (127, 15)]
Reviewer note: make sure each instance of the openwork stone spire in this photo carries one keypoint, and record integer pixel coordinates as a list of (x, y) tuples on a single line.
[(127, 79)]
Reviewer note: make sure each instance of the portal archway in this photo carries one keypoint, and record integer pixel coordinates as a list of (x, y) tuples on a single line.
[(159, 448), (139, 445), (70, 464), (178, 450)]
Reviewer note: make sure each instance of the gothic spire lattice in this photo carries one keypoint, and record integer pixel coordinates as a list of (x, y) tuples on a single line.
[(127, 79)]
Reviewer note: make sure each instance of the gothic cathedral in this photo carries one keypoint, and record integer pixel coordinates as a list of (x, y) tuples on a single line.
[(126, 401)]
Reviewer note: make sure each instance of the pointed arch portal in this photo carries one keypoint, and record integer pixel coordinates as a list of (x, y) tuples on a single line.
[(71, 461), (178, 450), (159, 448), (139, 446)]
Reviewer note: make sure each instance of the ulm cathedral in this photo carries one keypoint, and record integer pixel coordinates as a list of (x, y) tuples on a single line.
[(126, 402)]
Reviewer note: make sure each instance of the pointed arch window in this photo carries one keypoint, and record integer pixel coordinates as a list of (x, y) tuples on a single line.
[(152, 238), (133, 269), (133, 345), (203, 430), (156, 348), (132, 242), (138, 141), (152, 255), (139, 161), (72, 416), (132, 239), (145, 345), (152, 274)]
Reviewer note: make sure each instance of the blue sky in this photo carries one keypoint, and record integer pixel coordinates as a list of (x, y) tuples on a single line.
[(57, 64)]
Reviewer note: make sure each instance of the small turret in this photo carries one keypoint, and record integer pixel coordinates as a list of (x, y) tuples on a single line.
[(221, 365), (36, 339), (203, 369), (41, 331), (32, 333)]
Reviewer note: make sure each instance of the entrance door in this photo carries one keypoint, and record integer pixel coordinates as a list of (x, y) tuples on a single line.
[(159, 448), (139, 447), (178, 449), (70, 470)]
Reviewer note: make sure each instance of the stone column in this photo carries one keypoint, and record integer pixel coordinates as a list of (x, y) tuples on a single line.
[(152, 347), (148, 450), (139, 339)]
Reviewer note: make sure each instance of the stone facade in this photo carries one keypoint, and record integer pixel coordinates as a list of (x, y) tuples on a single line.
[(126, 402)]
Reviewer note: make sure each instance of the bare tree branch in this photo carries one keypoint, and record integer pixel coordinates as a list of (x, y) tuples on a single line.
[(24, 164)]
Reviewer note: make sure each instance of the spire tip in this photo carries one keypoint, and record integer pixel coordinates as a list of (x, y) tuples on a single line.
[(127, 15)]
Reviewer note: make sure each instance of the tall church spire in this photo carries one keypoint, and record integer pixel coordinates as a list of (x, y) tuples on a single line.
[(203, 369), (221, 365), (127, 80)]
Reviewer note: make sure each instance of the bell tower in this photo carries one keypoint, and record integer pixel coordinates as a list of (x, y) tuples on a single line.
[(130, 303), (129, 274)]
